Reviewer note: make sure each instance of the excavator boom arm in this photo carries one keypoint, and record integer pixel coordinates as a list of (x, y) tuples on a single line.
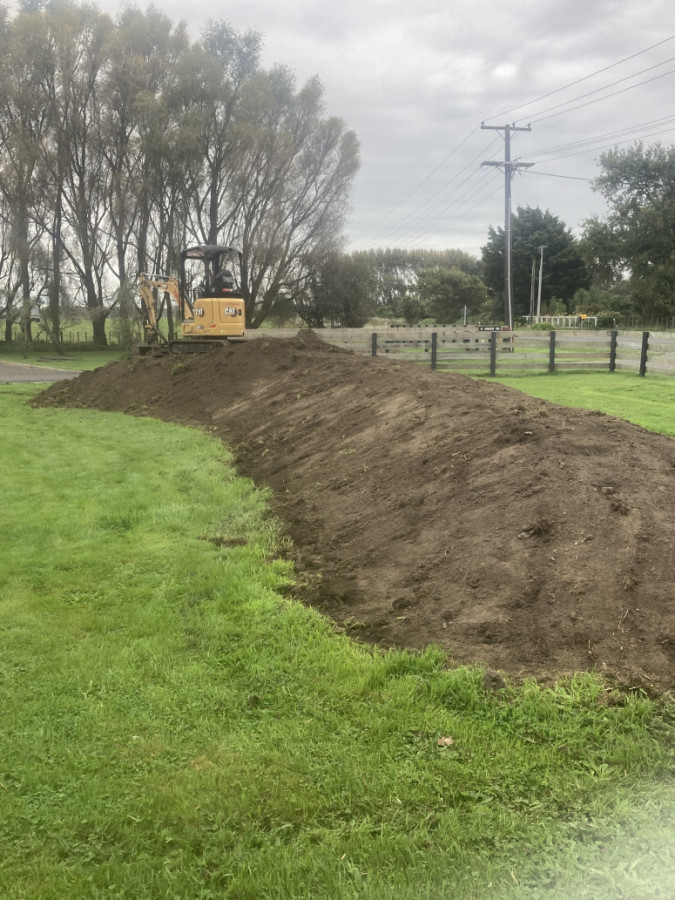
[(147, 284)]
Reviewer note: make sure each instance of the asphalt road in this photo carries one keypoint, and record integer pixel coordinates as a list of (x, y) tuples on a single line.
[(15, 373)]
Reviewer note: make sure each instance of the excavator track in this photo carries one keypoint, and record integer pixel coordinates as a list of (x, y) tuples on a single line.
[(155, 349), (179, 348)]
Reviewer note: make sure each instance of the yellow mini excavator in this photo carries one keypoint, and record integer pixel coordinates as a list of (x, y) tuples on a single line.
[(211, 312)]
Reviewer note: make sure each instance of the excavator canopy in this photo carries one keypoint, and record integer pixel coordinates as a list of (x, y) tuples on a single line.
[(208, 252), (214, 258)]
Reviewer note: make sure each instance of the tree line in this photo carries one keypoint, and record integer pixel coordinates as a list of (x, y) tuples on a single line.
[(124, 141)]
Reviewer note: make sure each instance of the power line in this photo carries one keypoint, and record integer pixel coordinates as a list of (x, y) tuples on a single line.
[(442, 214), (420, 216), (605, 97), (421, 209), (554, 175), (442, 196), (426, 205), (458, 215), (606, 86), (599, 147), (581, 80), (426, 178), (630, 130)]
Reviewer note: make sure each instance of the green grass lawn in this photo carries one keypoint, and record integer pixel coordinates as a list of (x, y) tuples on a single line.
[(649, 401), (174, 726)]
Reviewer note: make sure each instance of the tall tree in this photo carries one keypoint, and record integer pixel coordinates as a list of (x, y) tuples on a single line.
[(637, 240), (225, 61), (397, 270), (564, 271), (277, 173), (446, 292), (296, 193), (9, 276), (23, 120), (168, 147), (62, 23), (340, 291), (144, 49), (85, 187)]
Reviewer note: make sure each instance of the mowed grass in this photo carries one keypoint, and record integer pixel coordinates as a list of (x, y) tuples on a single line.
[(648, 401), (174, 726)]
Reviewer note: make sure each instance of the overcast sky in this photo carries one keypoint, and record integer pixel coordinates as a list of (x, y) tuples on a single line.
[(416, 79)]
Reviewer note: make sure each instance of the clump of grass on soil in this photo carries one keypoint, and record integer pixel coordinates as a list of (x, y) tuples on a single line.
[(174, 726)]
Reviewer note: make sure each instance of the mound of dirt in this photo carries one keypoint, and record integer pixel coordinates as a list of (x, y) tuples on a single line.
[(435, 509)]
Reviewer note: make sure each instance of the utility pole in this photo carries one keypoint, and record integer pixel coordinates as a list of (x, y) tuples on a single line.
[(541, 266), (509, 169), (534, 269)]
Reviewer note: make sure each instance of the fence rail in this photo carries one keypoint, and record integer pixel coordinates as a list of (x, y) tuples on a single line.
[(507, 353)]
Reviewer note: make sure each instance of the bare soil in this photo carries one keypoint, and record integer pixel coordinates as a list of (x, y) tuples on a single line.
[(436, 509)]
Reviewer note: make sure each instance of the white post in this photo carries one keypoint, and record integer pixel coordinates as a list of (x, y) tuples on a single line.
[(541, 266)]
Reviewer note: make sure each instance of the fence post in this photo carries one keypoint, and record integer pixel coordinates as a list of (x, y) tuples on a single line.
[(434, 347), (373, 344), (643, 353), (551, 354), (493, 354), (612, 351)]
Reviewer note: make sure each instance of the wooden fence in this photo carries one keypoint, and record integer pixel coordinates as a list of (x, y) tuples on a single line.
[(507, 353), (477, 352)]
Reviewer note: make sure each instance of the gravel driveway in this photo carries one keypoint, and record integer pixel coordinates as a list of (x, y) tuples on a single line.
[(13, 373)]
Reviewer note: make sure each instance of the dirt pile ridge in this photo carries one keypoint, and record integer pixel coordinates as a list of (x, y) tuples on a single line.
[(434, 509)]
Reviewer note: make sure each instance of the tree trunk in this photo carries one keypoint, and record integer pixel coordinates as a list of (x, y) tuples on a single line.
[(54, 313), (98, 318)]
